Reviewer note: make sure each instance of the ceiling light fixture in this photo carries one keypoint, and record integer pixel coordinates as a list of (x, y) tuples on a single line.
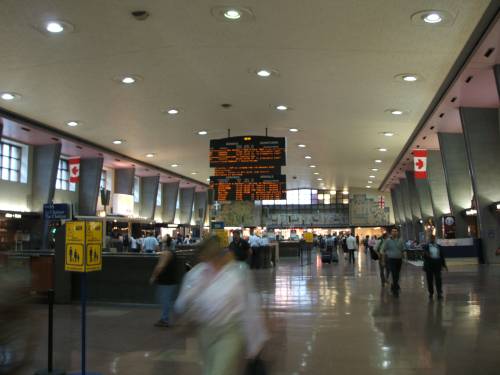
[(174, 165), (381, 149), (433, 17), (396, 112), (150, 155), (202, 132), (72, 123), (264, 73), (301, 145), (172, 111), (410, 78), (388, 134), (54, 27), (293, 130), (371, 176), (375, 169), (9, 96), (128, 80), (232, 14), (345, 192), (378, 161), (312, 166), (194, 173), (208, 179), (316, 173), (281, 107), (370, 182), (368, 186), (307, 157), (118, 141), (319, 179)]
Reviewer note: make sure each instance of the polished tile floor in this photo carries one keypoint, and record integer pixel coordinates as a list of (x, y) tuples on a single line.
[(325, 319)]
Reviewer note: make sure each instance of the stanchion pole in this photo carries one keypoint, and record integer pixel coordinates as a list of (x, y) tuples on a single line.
[(83, 300)]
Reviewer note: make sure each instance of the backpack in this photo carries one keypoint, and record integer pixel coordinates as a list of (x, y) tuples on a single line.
[(373, 254)]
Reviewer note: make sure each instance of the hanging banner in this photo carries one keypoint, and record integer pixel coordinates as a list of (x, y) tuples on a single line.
[(420, 163), (74, 170)]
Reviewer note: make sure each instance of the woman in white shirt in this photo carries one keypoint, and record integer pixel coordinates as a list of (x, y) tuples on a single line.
[(219, 297)]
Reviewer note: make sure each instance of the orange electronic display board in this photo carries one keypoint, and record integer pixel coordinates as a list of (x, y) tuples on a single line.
[(248, 168)]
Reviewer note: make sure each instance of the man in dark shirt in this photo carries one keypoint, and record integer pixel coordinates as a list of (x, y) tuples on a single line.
[(239, 247)]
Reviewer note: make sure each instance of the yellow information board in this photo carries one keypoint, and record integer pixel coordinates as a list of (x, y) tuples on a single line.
[(308, 237), (82, 235)]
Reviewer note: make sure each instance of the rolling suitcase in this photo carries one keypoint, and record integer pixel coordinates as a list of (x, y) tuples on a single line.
[(335, 256), (326, 257)]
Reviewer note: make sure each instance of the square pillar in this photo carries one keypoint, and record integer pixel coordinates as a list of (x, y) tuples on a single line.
[(90, 181), (170, 192), (149, 192)]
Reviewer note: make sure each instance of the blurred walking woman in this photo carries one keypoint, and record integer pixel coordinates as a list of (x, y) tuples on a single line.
[(217, 296)]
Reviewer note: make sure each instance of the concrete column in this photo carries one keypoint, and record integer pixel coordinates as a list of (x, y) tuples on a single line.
[(458, 180), (405, 193), (496, 70), (395, 207), (424, 197), (414, 201), (170, 192), (482, 139), (45, 162), (401, 209), (200, 205), (437, 186), (149, 192), (88, 190), (186, 198), (124, 181)]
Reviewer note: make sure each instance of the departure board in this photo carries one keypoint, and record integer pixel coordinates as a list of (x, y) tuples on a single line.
[(248, 189), (248, 168), (245, 151)]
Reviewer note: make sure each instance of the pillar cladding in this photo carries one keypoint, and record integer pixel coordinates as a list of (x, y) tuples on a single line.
[(496, 69), (482, 140), (437, 185), (124, 181), (414, 201), (395, 207), (45, 162), (88, 191), (200, 206), (149, 192), (186, 198), (424, 197), (458, 180), (170, 192), (402, 214), (405, 193)]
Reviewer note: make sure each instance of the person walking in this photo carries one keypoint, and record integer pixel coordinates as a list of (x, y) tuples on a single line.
[(351, 247), (165, 276), (393, 249), (150, 244), (382, 261), (434, 262), (239, 247)]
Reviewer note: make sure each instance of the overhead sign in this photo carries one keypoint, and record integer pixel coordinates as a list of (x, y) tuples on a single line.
[(420, 163), (247, 150), (249, 189), (74, 170), (83, 246), (57, 211), (123, 204)]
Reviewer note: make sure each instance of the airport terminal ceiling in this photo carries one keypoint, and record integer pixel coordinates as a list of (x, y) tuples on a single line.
[(337, 68)]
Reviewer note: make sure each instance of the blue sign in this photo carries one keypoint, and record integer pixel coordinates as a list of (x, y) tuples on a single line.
[(58, 211), (217, 225)]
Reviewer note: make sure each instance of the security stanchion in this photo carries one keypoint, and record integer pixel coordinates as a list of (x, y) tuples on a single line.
[(50, 345)]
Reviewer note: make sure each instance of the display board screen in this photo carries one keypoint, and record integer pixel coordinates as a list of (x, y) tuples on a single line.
[(248, 189), (247, 151)]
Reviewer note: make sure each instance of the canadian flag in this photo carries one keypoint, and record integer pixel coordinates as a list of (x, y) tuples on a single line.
[(74, 169), (420, 163)]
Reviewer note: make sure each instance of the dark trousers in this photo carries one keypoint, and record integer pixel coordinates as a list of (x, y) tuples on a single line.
[(433, 271), (384, 274), (351, 256), (255, 262), (395, 269)]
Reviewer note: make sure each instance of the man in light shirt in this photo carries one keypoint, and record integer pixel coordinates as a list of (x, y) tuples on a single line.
[(255, 243), (393, 249), (150, 244), (351, 247)]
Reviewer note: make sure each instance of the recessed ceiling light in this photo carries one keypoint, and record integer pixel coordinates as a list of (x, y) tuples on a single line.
[(9, 96), (378, 161), (281, 107), (118, 141), (264, 73), (433, 17), (312, 166), (388, 134), (194, 173), (202, 132), (410, 78), (319, 179), (174, 165), (396, 112), (370, 182), (301, 145), (232, 14), (316, 173), (128, 80), (375, 169), (172, 111), (307, 157), (371, 176), (72, 123), (54, 27), (293, 130), (150, 155), (368, 186), (345, 192), (208, 179), (381, 149)]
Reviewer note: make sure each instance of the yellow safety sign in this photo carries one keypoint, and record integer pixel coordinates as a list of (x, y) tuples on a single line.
[(83, 246), (223, 239), (74, 257), (308, 237)]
